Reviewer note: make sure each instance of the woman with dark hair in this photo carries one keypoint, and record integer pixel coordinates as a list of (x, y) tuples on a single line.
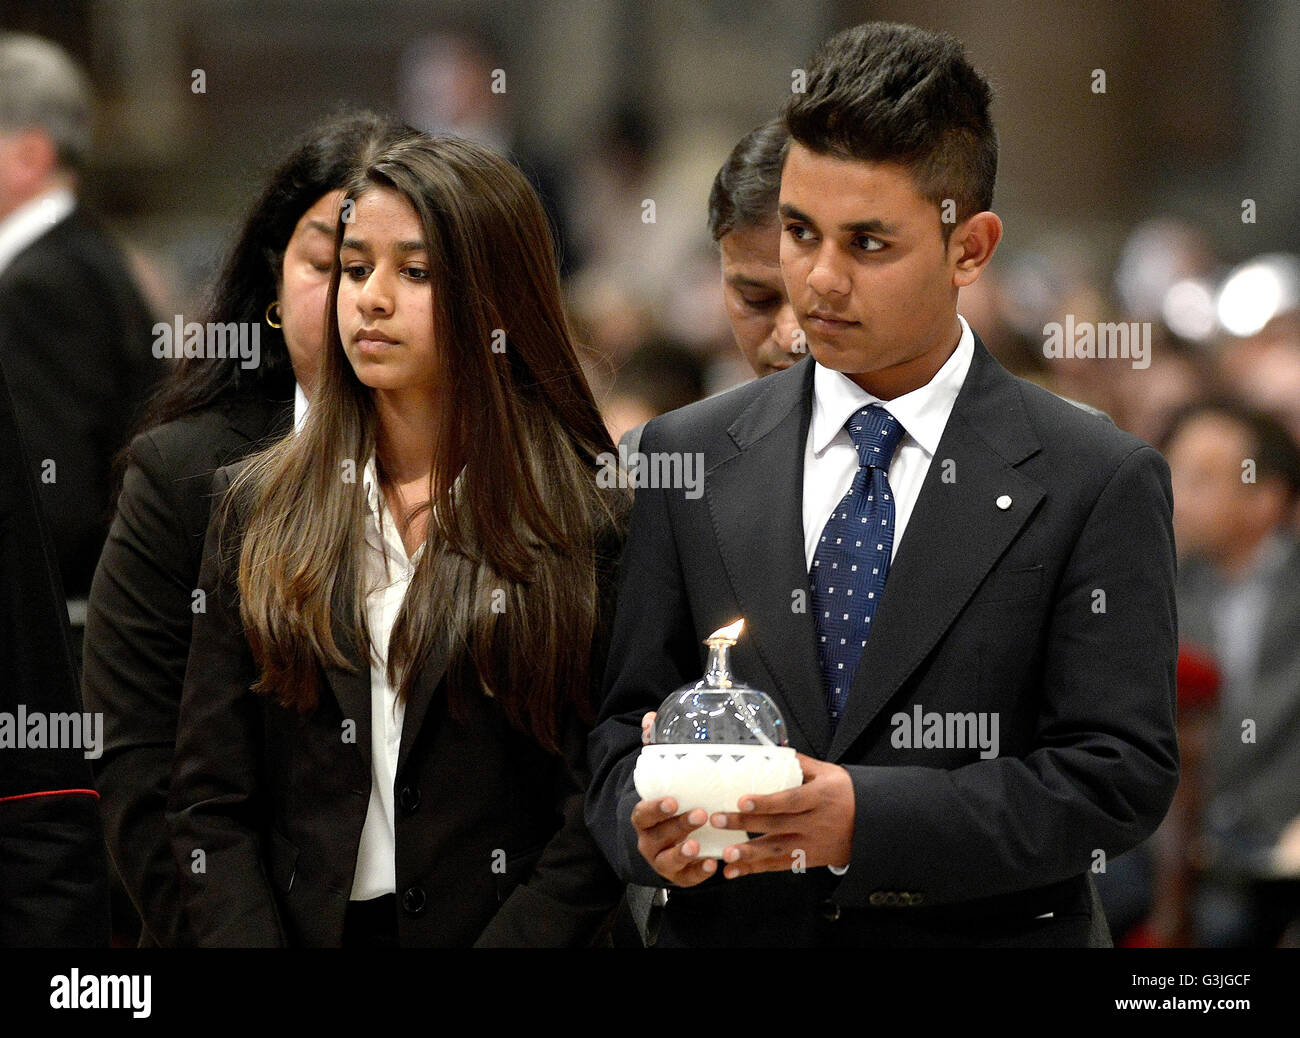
[(209, 413), (383, 732)]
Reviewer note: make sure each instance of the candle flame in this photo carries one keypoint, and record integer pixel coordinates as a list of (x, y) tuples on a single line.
[(727, 634)]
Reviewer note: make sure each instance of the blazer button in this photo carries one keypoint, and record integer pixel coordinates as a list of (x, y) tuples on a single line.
[(413, 900), (877, 897), (829, 910), (891, 899), (409, 799)]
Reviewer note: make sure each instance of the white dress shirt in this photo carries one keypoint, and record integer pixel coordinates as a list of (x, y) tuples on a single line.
[(33, 219), (831, 460), (388, 575), (299, 407)]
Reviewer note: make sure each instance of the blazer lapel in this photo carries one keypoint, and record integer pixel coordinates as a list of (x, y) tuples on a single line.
[(423, 692), (955, 536), (351, 688), (755, 500)]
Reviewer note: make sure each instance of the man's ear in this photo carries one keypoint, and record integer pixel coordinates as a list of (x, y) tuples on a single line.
[(972, 245), (36, 159)]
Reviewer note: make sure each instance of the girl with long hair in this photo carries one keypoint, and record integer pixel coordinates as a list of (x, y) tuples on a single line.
[(208, 413), (383, 731)]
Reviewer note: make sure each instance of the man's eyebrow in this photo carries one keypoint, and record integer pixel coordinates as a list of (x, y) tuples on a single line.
[(875, 226), (322, 226)]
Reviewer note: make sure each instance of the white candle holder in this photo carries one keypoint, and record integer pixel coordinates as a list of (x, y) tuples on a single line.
[(714, 776), (712, 743)]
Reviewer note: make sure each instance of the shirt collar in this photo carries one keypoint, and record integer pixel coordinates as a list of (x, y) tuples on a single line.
[(923, 413), (299, 407), (370, 485), (31, 220)]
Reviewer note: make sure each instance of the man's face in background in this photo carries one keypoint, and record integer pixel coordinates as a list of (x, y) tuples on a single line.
[(762, 319)]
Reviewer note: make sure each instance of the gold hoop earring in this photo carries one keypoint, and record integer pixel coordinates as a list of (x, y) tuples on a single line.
[(273, 305)]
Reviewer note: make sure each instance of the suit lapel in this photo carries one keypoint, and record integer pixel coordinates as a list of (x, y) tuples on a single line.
[(755, 500), (351, 688), (955, 536), (423, 692)]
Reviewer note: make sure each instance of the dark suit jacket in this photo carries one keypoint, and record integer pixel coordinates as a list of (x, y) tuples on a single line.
[(138, 635), (53, 874), (985, 610), (1254, 788), (76, 342), (490, 840)]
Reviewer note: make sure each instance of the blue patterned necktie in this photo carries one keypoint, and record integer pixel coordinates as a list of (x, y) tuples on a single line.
[(852, 558)]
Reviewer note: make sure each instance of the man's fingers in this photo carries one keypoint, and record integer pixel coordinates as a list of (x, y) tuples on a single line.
[(787, 802), (682, 865), (777, 853), (754, 822), (647, 813), (662, 841)]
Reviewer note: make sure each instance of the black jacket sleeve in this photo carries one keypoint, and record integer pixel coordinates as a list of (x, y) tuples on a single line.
[(53, 873), (216, 804)]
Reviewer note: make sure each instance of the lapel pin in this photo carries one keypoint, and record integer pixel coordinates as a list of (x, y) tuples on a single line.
[(1004, 502)]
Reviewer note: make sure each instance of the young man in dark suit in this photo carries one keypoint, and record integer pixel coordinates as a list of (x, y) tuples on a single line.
[(1018, 590)]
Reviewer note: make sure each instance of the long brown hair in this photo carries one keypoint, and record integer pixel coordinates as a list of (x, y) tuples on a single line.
[(508, 573)]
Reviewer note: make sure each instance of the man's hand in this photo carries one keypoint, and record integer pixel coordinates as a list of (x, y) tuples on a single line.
[(660, 832), (661, 838), (815, 818)]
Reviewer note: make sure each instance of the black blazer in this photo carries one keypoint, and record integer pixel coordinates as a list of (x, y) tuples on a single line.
[(985, 609), (490, 840), (138, 635), (53, 874), (76, 342)]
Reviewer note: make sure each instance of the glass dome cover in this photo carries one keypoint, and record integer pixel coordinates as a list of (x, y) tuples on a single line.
[(718, 708)]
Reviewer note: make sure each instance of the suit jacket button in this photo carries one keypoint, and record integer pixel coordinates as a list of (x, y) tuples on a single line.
[(877, 897), (917, 899), (409, 799), (413, 900), (830, 911), (891, 898)]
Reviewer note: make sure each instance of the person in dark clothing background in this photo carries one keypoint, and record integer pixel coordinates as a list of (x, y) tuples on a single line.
[(53, 876), (212, 413), (75, 332)]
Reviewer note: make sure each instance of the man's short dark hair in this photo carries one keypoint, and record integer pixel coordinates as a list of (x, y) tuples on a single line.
[(746, 190), (895, 93)]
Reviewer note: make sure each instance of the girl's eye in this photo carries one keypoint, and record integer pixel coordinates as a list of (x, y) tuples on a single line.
[(355, 271), (417, 273), (761, 304)]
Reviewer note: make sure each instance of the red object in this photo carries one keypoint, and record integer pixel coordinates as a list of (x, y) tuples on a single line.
[(1139, 937), (1198, 677), (52, 793)]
